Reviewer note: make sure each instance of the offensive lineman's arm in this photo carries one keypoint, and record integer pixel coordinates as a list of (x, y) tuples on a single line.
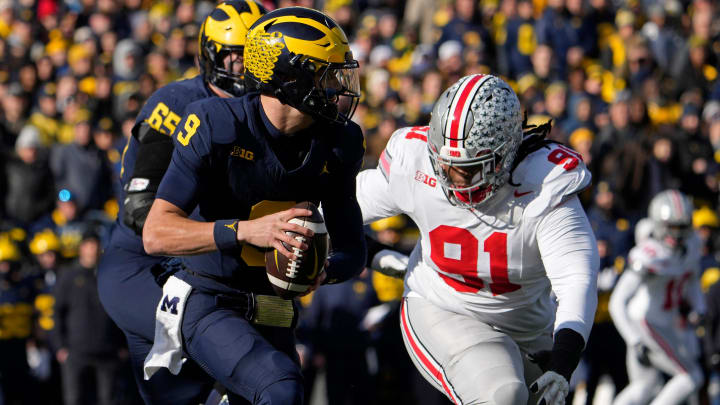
[(154, 151)]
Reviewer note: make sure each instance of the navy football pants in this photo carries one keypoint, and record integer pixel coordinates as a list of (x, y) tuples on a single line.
[(130, 296), (259, 364)]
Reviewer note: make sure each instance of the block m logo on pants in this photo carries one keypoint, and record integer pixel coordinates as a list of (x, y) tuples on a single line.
[(170, 303)]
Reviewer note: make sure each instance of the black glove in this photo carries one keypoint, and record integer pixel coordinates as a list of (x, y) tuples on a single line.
[(135, 210), (642, 353)]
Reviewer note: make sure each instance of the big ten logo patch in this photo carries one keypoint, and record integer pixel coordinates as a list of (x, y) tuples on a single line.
[(170, 303), (163, 119), (425, 179), (242, 153)]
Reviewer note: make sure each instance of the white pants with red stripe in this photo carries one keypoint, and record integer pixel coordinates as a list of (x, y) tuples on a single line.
[(668, 353), (467, 359)]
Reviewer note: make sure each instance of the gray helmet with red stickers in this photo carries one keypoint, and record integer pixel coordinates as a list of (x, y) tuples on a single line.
[(671, 212), (476, 122)]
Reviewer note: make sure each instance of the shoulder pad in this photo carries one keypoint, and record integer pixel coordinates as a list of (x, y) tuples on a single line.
[(650, 257), (403, 149), (217, 121), (553, 174)]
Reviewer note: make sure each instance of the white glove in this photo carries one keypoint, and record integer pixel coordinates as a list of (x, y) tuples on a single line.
[(553, 386), (390, 263)]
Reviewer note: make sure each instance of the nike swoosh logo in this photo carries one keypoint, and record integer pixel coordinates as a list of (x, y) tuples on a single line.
[(519, 194)]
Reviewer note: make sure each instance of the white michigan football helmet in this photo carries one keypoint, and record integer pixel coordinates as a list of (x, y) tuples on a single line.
[(671, 212), (476, 125)]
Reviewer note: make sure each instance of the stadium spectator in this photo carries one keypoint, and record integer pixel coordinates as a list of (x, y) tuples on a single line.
[(29, 193), (89, 345)]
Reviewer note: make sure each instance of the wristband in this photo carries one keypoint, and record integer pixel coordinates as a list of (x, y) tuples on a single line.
[(225, 234)]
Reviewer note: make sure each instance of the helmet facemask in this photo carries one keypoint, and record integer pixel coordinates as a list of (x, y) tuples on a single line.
[(485, 170), (228, 78), (675, 235), (335, 93)]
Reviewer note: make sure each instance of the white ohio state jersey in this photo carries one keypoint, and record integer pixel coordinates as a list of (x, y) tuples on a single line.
[(497, 264), (668, 277)]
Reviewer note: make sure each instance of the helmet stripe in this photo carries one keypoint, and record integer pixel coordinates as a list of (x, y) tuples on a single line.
[(677, 200), (254, 9), (458, 109)]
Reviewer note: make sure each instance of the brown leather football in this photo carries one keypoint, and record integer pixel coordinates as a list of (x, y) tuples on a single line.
[(291, 278)]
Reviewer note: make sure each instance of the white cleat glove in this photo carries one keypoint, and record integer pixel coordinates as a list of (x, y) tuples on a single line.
[(553, 386), (390, 263)]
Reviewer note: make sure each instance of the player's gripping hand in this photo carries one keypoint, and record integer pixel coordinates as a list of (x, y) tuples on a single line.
[(390, 263), (553, 386), (269, 231)]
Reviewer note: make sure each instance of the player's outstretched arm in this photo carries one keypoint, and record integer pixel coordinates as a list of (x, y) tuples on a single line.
[(168, 231)]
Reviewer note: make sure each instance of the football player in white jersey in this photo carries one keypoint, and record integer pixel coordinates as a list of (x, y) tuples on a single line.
[(663, 270), (501, 229)]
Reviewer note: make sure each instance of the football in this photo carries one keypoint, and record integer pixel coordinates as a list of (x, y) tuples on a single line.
[(290, 278)]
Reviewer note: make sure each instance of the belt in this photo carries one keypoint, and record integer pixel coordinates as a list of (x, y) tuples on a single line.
[(265, 310)]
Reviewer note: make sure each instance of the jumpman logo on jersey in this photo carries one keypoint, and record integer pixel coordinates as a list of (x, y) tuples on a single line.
[(325, 169)]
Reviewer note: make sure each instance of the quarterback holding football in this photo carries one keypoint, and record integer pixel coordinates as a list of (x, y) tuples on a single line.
[(500, 290), (645, 305)]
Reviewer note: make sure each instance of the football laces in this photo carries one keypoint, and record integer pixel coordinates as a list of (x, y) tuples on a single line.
[(293, 265)]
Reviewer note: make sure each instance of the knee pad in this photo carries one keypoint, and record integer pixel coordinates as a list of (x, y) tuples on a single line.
[(283, 392), (511, 393)]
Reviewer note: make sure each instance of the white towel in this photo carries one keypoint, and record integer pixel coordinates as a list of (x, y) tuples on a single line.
[(167, 348)]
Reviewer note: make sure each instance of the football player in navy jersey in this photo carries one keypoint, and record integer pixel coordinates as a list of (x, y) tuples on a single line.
[(127, 287), (238, 167)]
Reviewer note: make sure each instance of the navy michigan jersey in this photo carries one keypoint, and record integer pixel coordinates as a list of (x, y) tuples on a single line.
[(162, 112), (228, 163)]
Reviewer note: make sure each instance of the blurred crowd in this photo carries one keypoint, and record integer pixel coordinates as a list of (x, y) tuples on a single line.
[(630, 84)]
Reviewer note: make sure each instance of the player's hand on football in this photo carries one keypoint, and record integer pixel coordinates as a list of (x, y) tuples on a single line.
[(390, 263), (270, 231), (553, 388), (643, 354)]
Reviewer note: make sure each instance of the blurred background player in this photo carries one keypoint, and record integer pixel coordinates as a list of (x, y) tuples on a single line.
[(128, 289), (238, 165), (501, 228), (645, 306)]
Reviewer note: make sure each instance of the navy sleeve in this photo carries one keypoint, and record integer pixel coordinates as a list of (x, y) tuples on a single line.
[(190, 158), (343, 217)]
